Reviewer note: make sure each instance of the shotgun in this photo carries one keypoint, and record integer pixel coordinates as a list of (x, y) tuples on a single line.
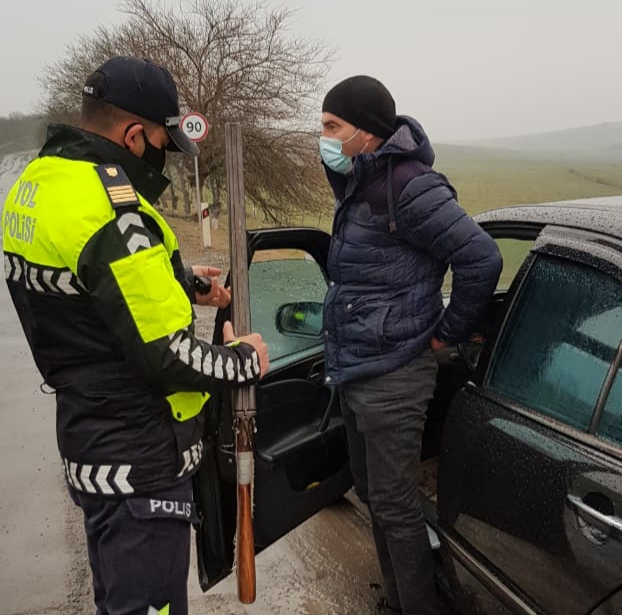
[(244, 405)]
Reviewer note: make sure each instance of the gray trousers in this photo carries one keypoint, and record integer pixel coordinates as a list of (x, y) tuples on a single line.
[(384, 418)]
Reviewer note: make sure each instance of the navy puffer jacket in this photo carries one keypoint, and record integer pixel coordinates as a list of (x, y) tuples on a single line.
[(392, 244)]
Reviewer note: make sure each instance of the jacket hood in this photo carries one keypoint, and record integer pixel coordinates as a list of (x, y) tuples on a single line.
[(409, 139), (77, 144)]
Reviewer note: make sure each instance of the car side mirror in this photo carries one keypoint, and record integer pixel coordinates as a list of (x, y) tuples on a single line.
[(300, 319)]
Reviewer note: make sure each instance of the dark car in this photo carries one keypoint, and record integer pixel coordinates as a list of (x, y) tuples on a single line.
[(522, 454)]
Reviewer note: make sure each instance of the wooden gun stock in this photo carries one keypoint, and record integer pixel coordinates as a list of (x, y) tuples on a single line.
[(245, 538), (243, 399), (246, 547)]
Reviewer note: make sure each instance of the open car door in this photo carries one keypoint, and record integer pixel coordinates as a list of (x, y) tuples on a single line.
[(301, 460)]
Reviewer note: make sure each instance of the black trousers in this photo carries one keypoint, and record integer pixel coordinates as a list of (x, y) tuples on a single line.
[(384, 418), (139, 550)]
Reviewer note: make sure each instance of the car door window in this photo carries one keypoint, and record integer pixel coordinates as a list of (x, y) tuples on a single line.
[(560, 340), (276, 278)]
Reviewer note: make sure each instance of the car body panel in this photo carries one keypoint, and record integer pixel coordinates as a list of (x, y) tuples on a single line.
[(611, 606), (513, 484)]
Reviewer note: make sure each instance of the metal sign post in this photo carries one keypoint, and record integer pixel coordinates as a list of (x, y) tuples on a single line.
[(196, 126)]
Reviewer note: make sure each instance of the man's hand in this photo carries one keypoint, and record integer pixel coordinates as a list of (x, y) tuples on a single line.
[(218, 296), (436, 344), (254, 339)]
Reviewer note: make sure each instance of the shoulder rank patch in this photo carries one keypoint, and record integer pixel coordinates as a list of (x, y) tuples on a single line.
[(117, 184)]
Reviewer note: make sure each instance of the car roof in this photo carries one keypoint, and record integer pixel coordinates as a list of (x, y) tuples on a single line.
[(601, 214)]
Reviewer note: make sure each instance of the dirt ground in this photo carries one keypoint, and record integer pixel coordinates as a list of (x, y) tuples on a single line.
[(191, 245), (194, 253)]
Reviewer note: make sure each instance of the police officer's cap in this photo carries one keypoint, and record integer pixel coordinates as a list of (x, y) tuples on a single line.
[(144, 89)]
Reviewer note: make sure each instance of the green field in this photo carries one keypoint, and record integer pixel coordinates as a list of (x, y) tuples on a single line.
[(486, 179)]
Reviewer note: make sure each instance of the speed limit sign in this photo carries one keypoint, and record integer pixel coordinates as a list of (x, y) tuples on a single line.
[(195, 126)]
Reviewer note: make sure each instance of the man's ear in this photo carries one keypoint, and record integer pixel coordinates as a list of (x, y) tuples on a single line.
[(134, 139), (367, 139), (372, 142), (367, 135)]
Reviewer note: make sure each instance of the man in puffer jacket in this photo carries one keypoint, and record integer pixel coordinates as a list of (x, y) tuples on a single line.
[(397, 229)]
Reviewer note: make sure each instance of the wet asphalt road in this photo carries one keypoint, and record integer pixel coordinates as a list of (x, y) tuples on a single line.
[(324, 567)]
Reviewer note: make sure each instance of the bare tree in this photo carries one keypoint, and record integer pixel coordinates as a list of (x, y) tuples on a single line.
[(233, 62)]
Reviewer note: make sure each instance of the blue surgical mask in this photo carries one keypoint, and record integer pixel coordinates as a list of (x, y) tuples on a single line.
[(333, 156)]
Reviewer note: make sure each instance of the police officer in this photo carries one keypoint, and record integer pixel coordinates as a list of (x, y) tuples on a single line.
[(104, 300)]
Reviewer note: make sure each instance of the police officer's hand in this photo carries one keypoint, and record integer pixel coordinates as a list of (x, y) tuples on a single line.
[(254, 339), (217, 296)]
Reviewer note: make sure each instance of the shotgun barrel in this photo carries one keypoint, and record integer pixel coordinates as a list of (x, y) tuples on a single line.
[(244, 405)]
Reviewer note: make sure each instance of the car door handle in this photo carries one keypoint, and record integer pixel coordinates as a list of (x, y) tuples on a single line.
[(594, 515), (316, 372)]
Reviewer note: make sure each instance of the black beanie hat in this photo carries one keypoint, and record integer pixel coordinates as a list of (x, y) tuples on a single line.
[(363, 102)]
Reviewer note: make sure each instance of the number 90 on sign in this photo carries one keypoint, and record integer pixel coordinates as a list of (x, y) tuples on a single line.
[(194, 126)]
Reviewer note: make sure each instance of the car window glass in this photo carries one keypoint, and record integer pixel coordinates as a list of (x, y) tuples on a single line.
[(278, 277), (513, 251), (560, 340)]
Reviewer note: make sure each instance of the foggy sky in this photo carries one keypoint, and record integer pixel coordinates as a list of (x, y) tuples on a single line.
[(467, 69)]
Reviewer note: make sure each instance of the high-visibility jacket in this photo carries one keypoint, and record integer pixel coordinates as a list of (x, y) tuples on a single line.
[(96, 277)]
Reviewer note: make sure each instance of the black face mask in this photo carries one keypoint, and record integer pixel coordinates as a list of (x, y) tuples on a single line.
[(153, 156)]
